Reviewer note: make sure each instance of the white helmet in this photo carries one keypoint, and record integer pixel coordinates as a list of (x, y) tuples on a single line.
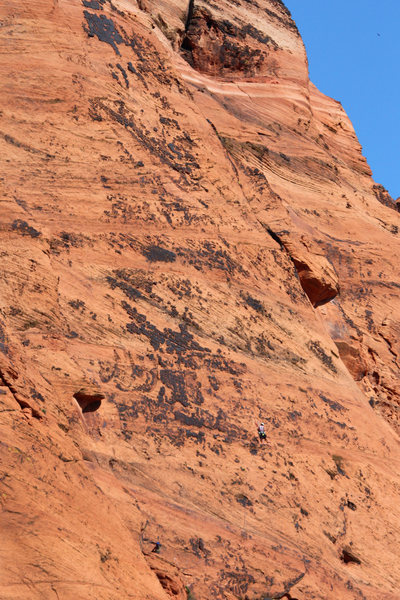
[(262, 423)]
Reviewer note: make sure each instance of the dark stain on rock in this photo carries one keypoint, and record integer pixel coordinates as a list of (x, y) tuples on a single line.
[(383, 196), (294, 415), (211, 256), (104, 29), (175, 342), (332, 404), (370, 321), (351, 505), (10, 140), (93, 4), (36, 395), (25, 229), (124, 74), (219, 363), (198, 547), (254, 303), (189, 420), (288, 21), (175, 381), (184, 162), (243, 500), (236, 582), (320, 353), (199, 437), (213, 382), (3, 341), (158, 254), (129, 291)]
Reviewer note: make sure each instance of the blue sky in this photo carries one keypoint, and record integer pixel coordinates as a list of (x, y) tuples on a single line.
[(353, 49)]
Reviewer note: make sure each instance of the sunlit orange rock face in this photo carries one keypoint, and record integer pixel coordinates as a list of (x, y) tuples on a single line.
[(191, 243)]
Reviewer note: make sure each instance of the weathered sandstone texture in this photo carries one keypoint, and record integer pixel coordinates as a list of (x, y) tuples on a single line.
[(191, 243)]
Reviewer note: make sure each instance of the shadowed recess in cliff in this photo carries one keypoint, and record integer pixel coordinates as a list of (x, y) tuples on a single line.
[(316, 274), (88, 400), (348, 556)]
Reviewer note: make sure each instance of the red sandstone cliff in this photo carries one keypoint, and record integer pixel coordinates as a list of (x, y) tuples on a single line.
[(191, 241)]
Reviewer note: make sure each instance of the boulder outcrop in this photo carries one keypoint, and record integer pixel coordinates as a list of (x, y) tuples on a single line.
[(191, 243)]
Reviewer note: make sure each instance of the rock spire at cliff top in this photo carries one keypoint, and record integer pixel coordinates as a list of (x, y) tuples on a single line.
[(191, 242)]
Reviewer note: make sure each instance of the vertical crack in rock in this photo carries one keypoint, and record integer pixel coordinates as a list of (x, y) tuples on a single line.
[(189, 14)]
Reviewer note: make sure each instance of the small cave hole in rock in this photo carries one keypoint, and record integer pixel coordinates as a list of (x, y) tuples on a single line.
[(348, 556), (89, 402), (375, 377), (186, 45)]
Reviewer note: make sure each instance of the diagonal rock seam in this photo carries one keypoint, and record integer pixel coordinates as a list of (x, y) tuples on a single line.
[(23, 403), (286, 593)]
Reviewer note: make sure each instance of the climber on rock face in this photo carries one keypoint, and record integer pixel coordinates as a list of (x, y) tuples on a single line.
[(261, 432), (157, 547)]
